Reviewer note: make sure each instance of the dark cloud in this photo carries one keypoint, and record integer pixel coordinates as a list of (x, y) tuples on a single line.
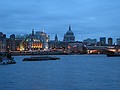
[(88, 18)]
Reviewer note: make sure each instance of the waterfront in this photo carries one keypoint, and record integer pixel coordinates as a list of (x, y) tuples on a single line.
[(72, 72)]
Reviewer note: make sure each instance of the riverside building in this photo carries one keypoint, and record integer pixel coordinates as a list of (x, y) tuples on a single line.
[(2, 42), (35, 41)]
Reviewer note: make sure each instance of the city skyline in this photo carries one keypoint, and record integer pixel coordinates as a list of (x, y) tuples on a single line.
[(88, 18), (107, 41)]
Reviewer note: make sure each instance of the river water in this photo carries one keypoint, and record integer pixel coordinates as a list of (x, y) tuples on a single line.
[(71, 72)]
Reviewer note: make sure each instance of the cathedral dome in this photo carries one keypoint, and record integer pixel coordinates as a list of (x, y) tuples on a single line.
[(69, 36), (69, 32)]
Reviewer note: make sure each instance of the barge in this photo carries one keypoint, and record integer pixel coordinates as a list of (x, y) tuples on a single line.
[(42, 58)]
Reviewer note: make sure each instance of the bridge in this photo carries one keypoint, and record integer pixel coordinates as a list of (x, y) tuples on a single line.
[(100, 49)]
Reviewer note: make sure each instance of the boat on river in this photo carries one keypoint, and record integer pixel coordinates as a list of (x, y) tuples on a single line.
[(113, 54), (7, 61), (41, 58), (5, 58)]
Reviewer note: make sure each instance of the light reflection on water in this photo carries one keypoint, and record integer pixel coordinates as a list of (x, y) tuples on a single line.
[(72, 72)]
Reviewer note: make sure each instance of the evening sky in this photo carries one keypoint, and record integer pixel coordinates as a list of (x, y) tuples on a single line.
[(88, 18)]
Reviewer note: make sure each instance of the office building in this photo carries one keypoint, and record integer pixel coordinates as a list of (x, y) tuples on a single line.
[(110, 41), (118, 41), (102, 41)]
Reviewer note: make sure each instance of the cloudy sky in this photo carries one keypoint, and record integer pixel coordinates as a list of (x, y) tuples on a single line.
[(88, 18)]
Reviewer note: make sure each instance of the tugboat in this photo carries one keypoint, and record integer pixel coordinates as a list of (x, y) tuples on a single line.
[(7, 59), (42, 58)]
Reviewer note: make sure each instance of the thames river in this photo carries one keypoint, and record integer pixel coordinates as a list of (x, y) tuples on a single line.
[(71, 72)]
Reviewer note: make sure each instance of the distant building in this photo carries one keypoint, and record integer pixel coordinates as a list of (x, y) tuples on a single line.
[(2, 42), (21, 37), (69, 36), (102, 41), (54, 44), (42, 36), (58, 45), (35, 41), (118, 41), (90, 41), (56, 38), (110, 41), (75, 47), (12, 43), (17, 44), (19, 40)]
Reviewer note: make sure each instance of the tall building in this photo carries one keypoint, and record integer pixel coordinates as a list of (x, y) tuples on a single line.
[(102, 41), (69, 36), (12, 38), (110, 41), (56, 38), (11, 43), (2, 42), (118, 41)]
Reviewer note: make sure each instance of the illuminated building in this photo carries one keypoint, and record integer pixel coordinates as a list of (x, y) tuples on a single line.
[(44, 38), (35, 41), (76, 47), (30, 44)]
